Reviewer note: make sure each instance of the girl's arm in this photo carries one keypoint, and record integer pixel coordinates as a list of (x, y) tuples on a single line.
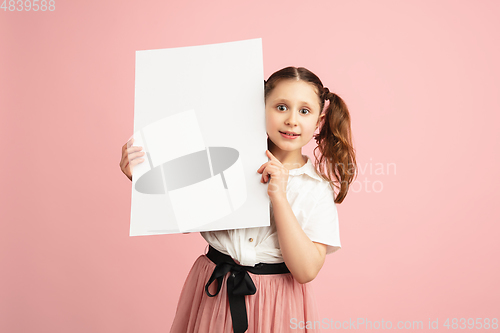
[(303, 257)]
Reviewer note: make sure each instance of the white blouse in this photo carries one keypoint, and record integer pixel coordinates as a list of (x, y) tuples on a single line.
[(312, 202)]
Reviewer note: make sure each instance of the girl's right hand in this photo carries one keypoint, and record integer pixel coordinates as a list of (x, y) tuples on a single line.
[(130, 157)]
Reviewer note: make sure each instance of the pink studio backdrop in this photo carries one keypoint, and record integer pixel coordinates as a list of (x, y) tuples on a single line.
[(419, 228)]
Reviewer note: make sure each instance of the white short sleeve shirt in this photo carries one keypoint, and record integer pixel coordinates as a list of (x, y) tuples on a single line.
[(312, 202)]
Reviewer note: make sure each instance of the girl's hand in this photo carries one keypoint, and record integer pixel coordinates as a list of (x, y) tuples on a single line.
[(278, 174), (130, 158)]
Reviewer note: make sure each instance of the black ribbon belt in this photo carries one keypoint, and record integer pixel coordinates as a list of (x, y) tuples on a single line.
[(239, 283)]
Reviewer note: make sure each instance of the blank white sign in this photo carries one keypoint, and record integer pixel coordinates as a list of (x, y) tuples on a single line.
[(200, 117)]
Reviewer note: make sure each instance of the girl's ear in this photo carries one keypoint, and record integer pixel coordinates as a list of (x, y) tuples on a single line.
[(319, 119)]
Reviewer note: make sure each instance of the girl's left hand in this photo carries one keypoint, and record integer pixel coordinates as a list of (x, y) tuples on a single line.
[(278, 174)]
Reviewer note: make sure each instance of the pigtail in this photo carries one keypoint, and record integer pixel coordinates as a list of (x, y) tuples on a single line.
[(335, 143)]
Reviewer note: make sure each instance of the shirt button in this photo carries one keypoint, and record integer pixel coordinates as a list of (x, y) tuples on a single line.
[(250, 239)]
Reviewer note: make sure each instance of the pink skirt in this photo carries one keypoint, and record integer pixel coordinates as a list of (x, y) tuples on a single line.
[(281, 304)]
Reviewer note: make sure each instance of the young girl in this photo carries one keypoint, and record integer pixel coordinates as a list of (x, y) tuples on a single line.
[(263, 273)]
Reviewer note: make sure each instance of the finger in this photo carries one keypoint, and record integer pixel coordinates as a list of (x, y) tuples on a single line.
[(125, 151), (263, 178), (274, 160), (266, 173), (127, 155), (134, 149), (135, 162), (260, 170), (271, 156), (135, 155), (130, 168), (130, 142)]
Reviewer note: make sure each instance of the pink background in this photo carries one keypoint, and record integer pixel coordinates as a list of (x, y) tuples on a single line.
[(419, 229)]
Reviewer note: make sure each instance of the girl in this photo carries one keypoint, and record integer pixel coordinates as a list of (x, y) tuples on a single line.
[(263, 273)]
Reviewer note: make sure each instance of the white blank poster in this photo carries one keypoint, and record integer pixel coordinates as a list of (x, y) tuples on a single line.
[(200, 117)]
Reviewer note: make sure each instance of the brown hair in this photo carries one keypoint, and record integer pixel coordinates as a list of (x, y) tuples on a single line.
[(334, 139)]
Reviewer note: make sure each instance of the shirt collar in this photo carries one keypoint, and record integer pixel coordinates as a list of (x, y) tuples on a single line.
[(307, 169)]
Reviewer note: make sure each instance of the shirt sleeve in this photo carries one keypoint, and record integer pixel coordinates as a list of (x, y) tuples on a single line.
[(323, 223)]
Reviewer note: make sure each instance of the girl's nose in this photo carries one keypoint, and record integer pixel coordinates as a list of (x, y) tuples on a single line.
[(292, 118)]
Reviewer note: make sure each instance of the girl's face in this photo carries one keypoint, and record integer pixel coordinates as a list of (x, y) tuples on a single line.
[(292, 106)]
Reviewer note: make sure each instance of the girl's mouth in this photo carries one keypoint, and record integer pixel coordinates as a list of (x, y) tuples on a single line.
[(291, 136)]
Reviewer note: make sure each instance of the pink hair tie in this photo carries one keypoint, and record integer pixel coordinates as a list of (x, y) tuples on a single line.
[(327, 104)]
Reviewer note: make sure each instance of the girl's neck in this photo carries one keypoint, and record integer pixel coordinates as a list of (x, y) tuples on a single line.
[(289, 159)]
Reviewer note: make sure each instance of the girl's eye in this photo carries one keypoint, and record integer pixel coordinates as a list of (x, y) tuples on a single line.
[(282, 107)]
